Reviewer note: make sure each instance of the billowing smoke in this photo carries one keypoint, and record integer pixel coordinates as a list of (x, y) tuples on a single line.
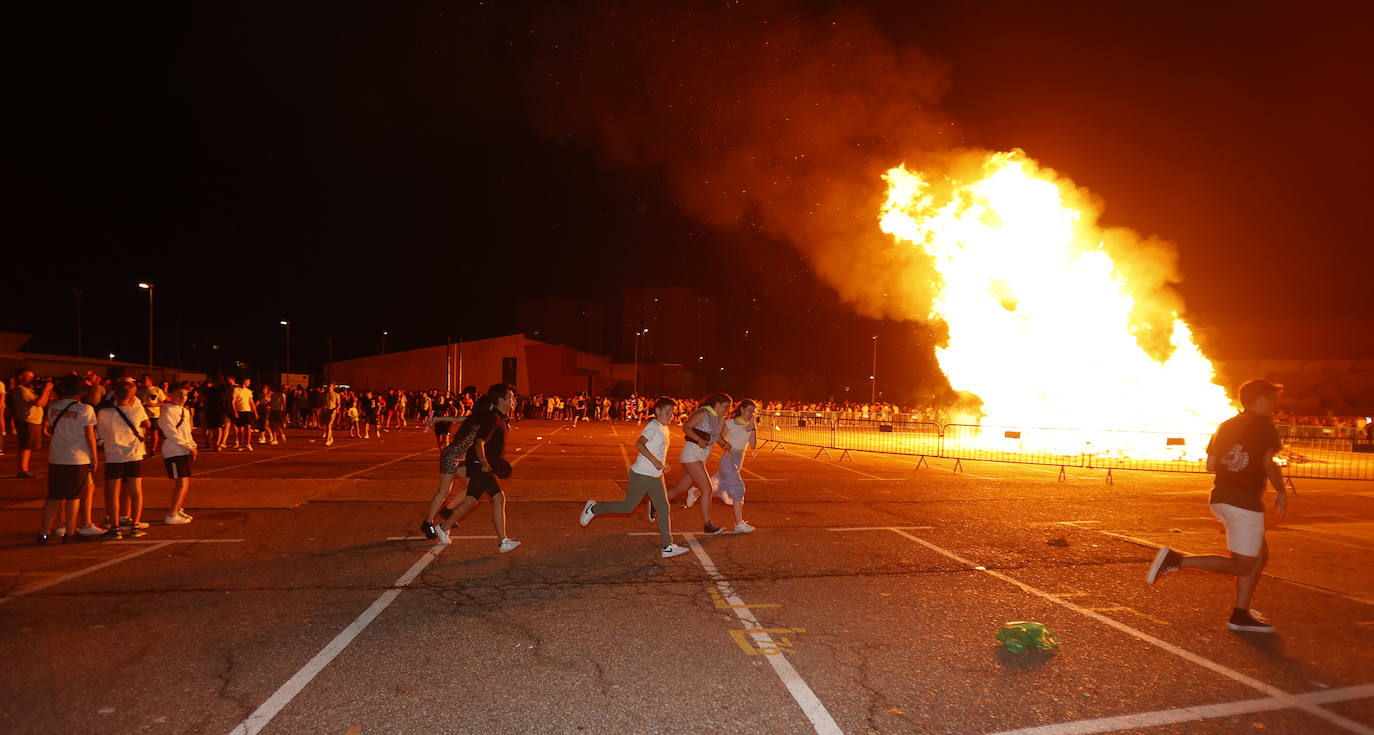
[(788, 121), (774, 119)]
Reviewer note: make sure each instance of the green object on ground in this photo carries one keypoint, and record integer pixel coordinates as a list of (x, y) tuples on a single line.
[(1022, 634)]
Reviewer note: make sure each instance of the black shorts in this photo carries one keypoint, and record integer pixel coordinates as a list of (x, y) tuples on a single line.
[(481, 483), (243, 418), (178, 466), (30, 435), (123, 470), (274, 418), (214, 419), (326, 416), (371, 419), (66, 481)]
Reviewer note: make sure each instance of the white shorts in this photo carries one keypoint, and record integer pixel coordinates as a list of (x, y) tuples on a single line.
[(692, 452), (1244, 528)]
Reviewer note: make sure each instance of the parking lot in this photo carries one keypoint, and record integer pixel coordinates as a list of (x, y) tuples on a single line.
[(303, 600)]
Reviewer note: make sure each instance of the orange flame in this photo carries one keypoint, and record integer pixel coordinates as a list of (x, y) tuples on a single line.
[(1043, 324)]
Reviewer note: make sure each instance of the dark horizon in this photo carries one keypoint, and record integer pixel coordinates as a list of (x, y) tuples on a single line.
[(365, 170)]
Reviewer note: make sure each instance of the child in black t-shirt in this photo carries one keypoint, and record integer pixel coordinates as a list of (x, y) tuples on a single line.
[(1241, 454)]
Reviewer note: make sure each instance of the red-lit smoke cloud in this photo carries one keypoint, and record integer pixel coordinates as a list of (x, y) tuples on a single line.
[(757, 116)]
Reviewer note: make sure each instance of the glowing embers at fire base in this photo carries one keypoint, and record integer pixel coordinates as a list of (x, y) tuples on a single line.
[(1043, 325)]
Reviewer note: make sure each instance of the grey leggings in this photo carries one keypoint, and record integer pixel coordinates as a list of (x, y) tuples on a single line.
[(641, 485)]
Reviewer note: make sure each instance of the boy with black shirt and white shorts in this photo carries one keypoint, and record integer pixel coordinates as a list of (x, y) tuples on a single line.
[(484, 464), (1241, 454)]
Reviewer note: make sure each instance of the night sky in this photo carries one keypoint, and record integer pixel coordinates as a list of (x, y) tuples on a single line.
[(420, 169)]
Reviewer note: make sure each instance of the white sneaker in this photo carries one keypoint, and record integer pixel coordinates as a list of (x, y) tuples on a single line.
[(173, 520), (442, 534), (672, 550), (182, 512), (587, 514), (273, 442), (743, 527), (693, 495), (329, 442), (90, 530), (248, 447), (507, 545)]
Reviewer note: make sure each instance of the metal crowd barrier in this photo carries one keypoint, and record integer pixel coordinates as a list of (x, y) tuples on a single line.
[(1309, 452)]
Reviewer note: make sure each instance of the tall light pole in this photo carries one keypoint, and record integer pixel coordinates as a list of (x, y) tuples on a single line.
[(638, 335), (384, 334), (287, 324), (149, 287), (873, 379)]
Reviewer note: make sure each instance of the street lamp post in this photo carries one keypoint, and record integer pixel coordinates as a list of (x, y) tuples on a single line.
[(287, 324), (873, 379), (149, 288), (384, 334)]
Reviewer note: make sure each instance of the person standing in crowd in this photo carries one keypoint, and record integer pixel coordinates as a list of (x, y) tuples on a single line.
[(26, 403), (71, 459), (276, 417), (740, 434), (329, 408), (245, 411), (702, 430), (368, 405), (1241, 454), (646, 478), (178, 452), (214, 404), (263, 406), (484, 463), (121, 426), (152, 397)]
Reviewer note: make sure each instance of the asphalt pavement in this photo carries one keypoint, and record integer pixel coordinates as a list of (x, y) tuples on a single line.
[(303, 599)]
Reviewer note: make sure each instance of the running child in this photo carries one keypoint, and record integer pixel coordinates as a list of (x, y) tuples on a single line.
[(740, 434), (702, 430), (71, 458), (646, 478), (178, 452), (1241, 454), (484, 464)]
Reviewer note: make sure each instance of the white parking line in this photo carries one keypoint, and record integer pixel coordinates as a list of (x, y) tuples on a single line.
[(1274, 692), (811, 705), (293, 686), (1192, 714), (211, 471), (383, 464), (82, 572)]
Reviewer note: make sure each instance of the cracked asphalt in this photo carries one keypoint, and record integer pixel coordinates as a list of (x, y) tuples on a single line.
[(880, 584)]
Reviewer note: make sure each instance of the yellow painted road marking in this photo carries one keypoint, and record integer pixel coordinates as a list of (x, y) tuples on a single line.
[(774, 644), (722, 604)]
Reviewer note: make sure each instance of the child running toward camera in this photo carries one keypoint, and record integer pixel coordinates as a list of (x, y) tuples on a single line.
[(646, 478), (740, 434)]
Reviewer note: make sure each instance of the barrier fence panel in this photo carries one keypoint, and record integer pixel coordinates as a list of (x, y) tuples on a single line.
[(1146, 450), (1060, 447), (914, 438), (1306, 454)]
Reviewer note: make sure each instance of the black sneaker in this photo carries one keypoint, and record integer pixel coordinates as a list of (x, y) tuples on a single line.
[(1250, 622), (25, 476), (1167, 560), (111, 535), (711, 529), (427, 529)]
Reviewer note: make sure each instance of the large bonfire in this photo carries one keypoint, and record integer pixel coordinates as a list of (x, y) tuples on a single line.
[(1044, 327)]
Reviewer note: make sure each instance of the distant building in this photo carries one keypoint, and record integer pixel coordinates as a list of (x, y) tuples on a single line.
[(580, 325), (533, 366)]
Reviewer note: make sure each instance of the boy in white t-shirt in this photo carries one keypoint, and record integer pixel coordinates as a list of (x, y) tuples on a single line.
[(122, 427), (178, 451), (646, 478), (71, 458)]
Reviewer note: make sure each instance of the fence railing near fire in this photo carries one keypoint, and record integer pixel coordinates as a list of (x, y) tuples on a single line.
[(1308, 452)]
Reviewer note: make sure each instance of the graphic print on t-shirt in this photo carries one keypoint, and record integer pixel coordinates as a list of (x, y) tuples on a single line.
[(1235, 459)]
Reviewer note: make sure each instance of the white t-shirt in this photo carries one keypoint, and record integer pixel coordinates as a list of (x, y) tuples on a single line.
[(243, 399), (120, 442), (175, 425), (737, 434), (656, 441), (69, 445)]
